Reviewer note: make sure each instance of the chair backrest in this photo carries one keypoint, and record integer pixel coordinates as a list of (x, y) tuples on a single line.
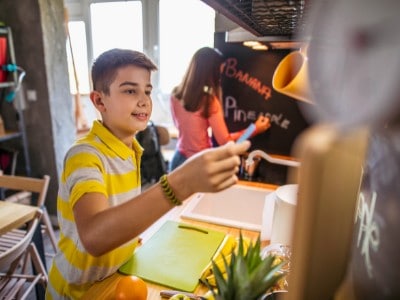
[(15, 252), (27, 184), (153, 164)]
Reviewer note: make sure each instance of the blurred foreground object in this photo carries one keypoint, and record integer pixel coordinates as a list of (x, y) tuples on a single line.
[(349, 198)]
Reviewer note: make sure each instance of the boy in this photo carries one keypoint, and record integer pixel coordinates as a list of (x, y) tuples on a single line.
[(100, 207)]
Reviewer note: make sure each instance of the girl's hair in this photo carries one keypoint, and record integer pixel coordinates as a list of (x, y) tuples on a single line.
[(202, 81), (104, 68)]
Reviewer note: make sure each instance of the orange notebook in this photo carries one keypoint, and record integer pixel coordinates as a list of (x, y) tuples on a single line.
[(175, 256)]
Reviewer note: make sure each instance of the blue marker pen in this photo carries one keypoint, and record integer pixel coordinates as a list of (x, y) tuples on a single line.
[(247, 133)]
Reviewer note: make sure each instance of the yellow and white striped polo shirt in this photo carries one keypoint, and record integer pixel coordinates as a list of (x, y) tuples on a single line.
[(99, 162)]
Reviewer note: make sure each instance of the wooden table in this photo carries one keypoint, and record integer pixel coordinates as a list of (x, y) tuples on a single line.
[(106, 288), (13, 215)]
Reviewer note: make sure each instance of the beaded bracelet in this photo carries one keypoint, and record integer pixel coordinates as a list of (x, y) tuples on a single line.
[(168, 192)]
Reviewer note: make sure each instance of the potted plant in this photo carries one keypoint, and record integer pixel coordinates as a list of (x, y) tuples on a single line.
[(245, 274)]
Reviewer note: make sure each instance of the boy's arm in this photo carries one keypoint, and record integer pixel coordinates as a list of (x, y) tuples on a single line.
[(103, 228)]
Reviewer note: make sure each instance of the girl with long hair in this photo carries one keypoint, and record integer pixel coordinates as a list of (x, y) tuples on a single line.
[(196, 107)]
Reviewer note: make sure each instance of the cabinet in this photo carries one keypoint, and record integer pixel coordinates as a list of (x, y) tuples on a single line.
[(9, 81)]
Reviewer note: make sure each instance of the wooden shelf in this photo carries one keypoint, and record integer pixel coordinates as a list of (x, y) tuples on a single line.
[(6, 84), (9, 136), (13, 82)]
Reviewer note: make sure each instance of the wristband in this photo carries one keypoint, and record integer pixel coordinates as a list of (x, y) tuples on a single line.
[(168, 192)]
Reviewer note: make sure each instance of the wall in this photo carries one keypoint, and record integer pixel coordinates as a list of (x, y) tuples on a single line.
[(39, 41)]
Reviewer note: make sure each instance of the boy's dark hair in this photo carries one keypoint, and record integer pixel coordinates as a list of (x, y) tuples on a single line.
[(104, 68)]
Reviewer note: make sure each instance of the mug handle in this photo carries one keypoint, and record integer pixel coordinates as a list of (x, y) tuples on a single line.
[(268, 213)]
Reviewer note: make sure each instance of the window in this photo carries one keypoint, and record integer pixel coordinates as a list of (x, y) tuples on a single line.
[(77, 58), (185, 26), (116, 25)]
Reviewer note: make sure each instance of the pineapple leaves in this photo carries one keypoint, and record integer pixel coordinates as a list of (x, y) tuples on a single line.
[(246, 275)]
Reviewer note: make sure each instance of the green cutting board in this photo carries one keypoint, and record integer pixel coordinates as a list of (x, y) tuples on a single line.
[(175, 256)]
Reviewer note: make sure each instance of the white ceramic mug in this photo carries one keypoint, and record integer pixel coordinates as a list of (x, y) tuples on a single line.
[(279, 214)]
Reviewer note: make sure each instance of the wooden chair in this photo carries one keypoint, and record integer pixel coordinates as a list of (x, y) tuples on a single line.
[(18, 280), (25, 188)]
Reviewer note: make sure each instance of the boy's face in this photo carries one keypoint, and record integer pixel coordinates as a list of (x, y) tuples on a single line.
[(127, 109)]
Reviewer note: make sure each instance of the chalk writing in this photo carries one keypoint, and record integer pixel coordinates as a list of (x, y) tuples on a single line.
[(230, 70), (278, 120), (368, 234), (240, 115)]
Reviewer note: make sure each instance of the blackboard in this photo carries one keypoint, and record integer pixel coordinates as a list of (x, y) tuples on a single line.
[(375, 261), (247, 93)]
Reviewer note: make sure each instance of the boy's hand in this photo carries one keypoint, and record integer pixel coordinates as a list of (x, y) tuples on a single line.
[(211, 170)]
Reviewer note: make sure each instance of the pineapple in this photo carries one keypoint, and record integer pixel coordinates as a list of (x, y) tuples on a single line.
[(246, 275)]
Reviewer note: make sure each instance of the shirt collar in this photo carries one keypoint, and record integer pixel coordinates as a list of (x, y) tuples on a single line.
[(109, 139)]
